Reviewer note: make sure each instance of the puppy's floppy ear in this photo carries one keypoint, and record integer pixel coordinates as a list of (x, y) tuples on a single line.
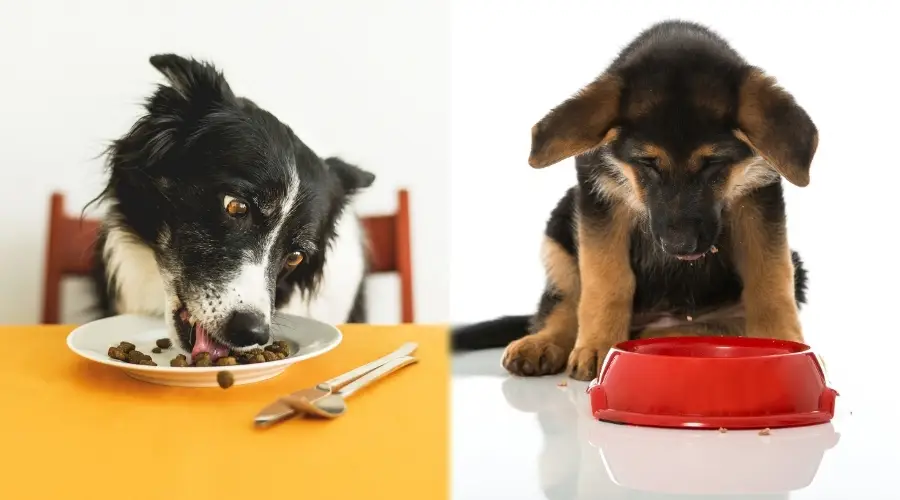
[(776, 127), (192, 79), (577, 125), (352, 177)]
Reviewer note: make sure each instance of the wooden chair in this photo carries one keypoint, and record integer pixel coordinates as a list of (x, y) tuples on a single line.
[(70, 249), (389, 250)]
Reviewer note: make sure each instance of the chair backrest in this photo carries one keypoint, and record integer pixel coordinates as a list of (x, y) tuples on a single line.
[(70, 249), (389, 250)]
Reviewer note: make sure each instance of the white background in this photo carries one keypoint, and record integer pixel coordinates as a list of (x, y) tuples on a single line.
[(513, 60), (366, 80)]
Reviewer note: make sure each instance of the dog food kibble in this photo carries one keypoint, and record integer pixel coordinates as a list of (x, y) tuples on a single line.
[(136, 357), (723, 430), (128, 353), (226, 361), (116, 353), (245, 358), (765, 432), (280, 350), (225, 379), (179, 362), (248, 358)]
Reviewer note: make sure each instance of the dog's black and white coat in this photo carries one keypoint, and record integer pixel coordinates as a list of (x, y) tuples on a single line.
[(219, 215)]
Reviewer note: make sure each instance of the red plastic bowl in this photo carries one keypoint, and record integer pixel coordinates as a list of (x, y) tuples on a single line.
[(711, 383)]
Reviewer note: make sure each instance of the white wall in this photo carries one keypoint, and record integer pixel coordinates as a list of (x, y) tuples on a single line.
[(513, 60), (366, 80)]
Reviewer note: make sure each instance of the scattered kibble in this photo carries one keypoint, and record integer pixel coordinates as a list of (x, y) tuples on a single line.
[(126, 347), (765, 432), (563, 383), (156, 350), (164, 343), (225, 379), (723, 430)]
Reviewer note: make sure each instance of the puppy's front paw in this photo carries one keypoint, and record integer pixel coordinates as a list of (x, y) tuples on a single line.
[(585, 361), (534, 355)]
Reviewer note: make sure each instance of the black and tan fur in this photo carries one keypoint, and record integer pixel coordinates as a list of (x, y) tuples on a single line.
[(677, 223)]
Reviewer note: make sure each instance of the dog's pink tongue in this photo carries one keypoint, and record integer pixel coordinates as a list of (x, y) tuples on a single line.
[(204, 343)]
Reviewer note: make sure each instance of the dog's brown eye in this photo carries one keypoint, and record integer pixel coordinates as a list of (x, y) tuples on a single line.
[(294, 259), (712, 163), (648, 162), (235, 207)]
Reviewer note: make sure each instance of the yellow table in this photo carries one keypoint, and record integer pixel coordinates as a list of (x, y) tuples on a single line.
[(71, 428)]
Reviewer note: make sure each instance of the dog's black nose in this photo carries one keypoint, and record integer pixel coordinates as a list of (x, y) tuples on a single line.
[(679, 242), (247, 328)]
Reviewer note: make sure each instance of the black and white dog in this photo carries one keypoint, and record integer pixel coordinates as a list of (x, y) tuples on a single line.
[(219, 215)]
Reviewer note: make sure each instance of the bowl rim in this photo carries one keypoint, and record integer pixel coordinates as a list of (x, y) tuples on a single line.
[(804, 349)]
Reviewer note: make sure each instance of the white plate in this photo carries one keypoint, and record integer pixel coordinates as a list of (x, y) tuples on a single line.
[(308, 338)]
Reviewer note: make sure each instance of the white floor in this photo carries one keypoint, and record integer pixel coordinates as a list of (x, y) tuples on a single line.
[(524, 439)]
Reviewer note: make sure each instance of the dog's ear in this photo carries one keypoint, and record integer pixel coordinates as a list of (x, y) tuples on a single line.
[(172, 114), (577, 125), (352, 178), (193, 79), (776, 127)]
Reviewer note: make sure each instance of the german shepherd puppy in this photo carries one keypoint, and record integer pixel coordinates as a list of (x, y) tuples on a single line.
[(677, 223)]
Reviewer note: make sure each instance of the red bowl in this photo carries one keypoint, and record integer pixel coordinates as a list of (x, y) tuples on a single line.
[(711, 383)]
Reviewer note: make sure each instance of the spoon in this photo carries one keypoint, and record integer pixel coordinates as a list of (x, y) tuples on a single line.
[(334, 405)]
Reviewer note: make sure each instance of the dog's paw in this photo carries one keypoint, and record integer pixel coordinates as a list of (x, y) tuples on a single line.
[(585, 361), (534, 355)]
